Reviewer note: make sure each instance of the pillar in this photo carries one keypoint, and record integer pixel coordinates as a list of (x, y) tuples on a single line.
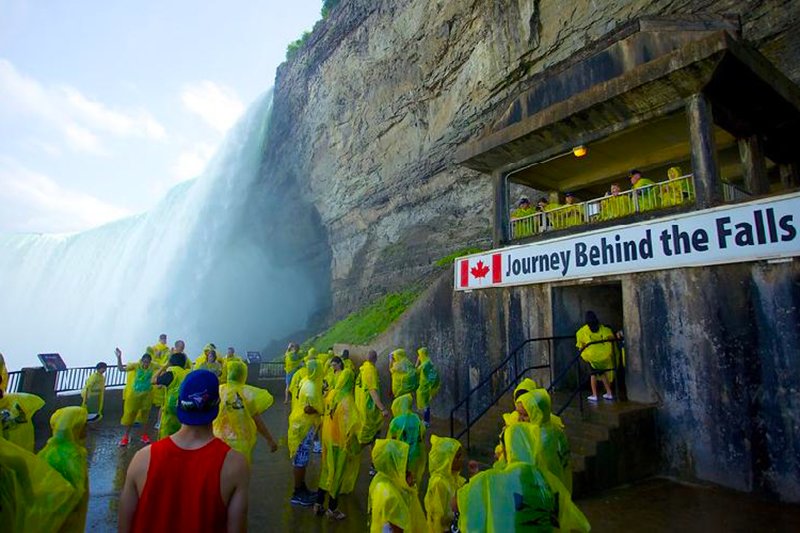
[(501, 213), (704, 151), (790, 175), (754, 166)]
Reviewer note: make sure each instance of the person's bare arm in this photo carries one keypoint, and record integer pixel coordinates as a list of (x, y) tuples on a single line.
[(377, 399), (234, 483), (264, 430), (120, 366), (134, 484)]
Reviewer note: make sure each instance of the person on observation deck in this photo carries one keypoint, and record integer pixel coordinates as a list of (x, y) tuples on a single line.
[(137, 396), (648, 197)]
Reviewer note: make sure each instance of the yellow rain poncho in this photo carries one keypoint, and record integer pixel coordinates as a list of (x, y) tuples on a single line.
[(648, 198), (16, 418), (169, 413), (553, 452), (407, 427), (675, 191), (599, 356), (309, 394), (341, 452), (215, 367), (203, 357), (302, 372), (138, 393), (391, 500), (66, 453), (428, 379), (520, 497), (404, 375), (292, 360), (160, 353), (443, 483), (93, 394), (371, 416), (615, 206), (239, 403), (3, 374), (229, 358), (34, 498)]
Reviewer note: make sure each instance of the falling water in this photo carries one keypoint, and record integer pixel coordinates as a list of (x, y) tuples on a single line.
[(198, 266)]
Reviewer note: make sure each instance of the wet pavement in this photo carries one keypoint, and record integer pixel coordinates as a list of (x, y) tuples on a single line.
[(654, 505)]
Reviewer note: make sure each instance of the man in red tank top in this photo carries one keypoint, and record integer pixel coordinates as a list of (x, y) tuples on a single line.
[(190, 481)]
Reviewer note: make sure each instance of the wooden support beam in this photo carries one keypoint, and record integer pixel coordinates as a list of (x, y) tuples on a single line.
[(754, 165), (790, 175), (704, 150)]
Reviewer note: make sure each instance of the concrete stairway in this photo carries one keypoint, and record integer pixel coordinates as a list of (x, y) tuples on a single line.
[(611, 442)]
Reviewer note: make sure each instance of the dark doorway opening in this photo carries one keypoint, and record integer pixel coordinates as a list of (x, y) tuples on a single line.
[(570, 304)]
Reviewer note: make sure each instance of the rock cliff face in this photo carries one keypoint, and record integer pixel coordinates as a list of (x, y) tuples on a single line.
[(370, 111)]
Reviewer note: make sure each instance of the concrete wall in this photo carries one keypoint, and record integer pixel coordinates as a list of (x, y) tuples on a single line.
[(715, 348)]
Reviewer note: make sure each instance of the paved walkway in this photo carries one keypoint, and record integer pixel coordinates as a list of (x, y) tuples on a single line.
[(652, 506)]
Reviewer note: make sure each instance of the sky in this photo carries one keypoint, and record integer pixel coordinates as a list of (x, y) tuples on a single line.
[(104, 106)]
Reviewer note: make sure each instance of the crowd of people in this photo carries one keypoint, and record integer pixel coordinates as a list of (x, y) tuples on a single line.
[(647, 196), (209, 421)]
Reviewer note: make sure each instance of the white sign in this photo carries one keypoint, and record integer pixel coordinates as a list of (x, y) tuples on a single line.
[(762, 229)]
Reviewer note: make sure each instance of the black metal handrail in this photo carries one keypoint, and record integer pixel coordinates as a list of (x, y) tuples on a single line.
[(509, 363), (580, 380), (73, 379), (14, 381)]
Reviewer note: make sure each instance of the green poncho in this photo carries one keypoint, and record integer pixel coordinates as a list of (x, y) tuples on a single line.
[(407, 427), (428, 379)]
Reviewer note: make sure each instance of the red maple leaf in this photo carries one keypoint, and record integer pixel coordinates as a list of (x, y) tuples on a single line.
[(480, 270)]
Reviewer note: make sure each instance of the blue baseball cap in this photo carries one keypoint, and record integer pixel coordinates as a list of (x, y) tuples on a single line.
[(198, 398)]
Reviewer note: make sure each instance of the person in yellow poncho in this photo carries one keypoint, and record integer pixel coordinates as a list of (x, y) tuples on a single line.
[(647, 197), (553, 450), (33, 496), (521, 496), (615, 204), (523, 228), (239, 421), (230, 356), (404, 374), (292, 361), (368, 402), (160, 353), (676, 191), (210, 362), (66, 453), (599, 356), (171, 378), (16, 418), (137, 396), (407, 426), (94, 392), (302, 372), (3, 374), (393, 498), (340, 448), (203, 357), (428, 379), (445, 461), (304, 420)]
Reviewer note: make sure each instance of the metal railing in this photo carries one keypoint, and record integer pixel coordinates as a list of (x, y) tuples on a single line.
[(14, 381), (732, 193), (581, 381), (271, 369), (661, 195), (502, 379), (73, 379)]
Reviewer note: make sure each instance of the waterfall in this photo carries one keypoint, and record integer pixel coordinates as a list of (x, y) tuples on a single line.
[(198, 266)]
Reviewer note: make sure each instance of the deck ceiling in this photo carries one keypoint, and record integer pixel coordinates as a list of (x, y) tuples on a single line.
[(635, 119)]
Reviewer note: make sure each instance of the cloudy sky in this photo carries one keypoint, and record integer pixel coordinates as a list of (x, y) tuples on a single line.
[(106, 105)]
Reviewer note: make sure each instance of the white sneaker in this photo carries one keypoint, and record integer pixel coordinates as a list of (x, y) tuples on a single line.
[(592, 398), (607, 396)]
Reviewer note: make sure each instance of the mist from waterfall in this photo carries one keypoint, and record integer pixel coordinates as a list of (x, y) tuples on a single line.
[(198, 266)]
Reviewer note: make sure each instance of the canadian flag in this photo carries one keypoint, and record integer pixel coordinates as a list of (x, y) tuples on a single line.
[(480, 271)]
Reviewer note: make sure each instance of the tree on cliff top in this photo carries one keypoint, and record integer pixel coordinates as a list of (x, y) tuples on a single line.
[(327, 5)]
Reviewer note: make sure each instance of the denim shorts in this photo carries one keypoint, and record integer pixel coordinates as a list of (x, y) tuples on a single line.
[(289, 377), (300, 458)]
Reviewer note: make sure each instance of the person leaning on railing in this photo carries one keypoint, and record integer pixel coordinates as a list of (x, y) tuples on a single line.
[(648, 197), (522, 228), (676, 190), (615, 204), (571, 214)]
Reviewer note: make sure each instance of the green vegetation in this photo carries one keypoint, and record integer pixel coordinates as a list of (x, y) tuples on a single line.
[(327, 5), (444, 261), (364, 325), (294, 46)]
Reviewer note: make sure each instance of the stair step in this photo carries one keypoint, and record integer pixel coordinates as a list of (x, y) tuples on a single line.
[(587, 429), (578, 462), (583, 446)]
